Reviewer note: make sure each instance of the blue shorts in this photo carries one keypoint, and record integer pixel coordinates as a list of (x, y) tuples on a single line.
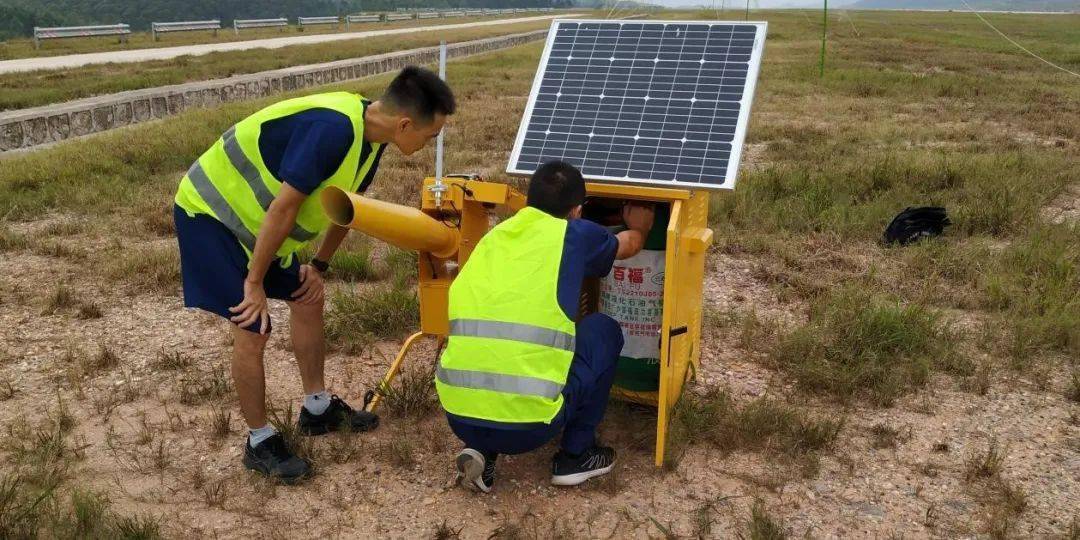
[(213, 266)]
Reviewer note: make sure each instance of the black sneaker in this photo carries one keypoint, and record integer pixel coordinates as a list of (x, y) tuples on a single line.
[(338, 415), (273, 458), (475, 469), (567, 470)]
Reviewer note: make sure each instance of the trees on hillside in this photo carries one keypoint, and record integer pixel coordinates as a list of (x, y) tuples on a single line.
[(18, 17)]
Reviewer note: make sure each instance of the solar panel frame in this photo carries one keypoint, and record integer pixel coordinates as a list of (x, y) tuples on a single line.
[(738, 137)]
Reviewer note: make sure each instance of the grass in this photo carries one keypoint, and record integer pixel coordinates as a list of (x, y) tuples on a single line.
[(984, 465), (146, 270), (884, 436), (1002, 500), (61, 299), (1072, 389), (10, 240), (22, 90), (762, 425), (762, 525), (171, 361), (353, 263), (380, 312), (197, 388), (860, 346), (412, 393), (34, 497)]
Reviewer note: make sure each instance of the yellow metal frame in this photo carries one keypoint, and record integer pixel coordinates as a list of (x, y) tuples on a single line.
[(466, 207)]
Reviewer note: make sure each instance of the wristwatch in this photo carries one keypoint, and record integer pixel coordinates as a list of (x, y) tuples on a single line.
[(321, 266)]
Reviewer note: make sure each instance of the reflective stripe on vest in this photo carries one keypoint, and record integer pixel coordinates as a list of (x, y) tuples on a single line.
[(225, 214), (512, 331), (497, 382), (251, 175)]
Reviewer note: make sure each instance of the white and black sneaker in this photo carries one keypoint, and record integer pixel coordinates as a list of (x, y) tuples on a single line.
[(475, 470), (567, 470)]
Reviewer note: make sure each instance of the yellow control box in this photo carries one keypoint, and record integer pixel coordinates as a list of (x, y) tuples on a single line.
[(470, 207)]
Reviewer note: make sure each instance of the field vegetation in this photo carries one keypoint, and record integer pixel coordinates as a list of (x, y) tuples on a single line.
[(847, 388)]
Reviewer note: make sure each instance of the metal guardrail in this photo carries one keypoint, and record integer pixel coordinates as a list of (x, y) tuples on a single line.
[(398, 17), (351, 19), (473, 12), (427, 15), (313, 21), (453, 14), (239, 24), (183, 26), (59, 32)]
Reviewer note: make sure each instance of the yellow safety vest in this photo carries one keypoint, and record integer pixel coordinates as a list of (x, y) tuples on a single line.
[(231, 183), (510, 344)]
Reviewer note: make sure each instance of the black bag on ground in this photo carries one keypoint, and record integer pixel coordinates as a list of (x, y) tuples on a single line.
[(915, 223)]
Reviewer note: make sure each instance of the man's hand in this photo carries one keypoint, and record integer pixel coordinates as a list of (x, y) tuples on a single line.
[(639, 217), (253, 308), (311, 286)]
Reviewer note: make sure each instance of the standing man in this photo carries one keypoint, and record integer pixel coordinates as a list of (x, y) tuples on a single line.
[(517, 369), (251, 202)]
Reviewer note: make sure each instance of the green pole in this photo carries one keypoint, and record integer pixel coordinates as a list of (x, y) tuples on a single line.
[(747, 10), (824, 30)]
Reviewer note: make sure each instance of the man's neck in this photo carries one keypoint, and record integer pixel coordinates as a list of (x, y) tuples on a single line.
[(378, 125)]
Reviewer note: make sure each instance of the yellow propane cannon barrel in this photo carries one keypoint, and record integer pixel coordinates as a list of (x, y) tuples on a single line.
[(399, 225)]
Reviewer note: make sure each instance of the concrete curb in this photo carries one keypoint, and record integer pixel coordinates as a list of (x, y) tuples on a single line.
[(26, 128)]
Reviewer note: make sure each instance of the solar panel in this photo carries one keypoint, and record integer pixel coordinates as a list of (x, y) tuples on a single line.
[(644, 102)]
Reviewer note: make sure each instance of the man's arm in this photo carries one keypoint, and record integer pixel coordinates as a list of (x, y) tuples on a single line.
[(639, 221), (334, 236), (280, 219)]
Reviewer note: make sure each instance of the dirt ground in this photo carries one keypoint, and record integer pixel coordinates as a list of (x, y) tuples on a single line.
[(154, 455)]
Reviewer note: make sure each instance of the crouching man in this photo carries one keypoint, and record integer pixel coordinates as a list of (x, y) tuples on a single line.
[(251, 202), (518, 370)]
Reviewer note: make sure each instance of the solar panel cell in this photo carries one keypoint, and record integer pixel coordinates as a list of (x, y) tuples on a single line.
[(643, 102)]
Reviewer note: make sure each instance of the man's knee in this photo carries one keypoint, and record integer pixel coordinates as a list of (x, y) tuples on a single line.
[(307, 310), (248, 342), (600, 338), (602, 327)]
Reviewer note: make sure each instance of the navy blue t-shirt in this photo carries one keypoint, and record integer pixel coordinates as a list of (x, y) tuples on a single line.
[(306, 148), (588, 252)]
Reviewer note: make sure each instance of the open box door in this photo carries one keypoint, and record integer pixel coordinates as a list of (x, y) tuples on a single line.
[(688, 239)]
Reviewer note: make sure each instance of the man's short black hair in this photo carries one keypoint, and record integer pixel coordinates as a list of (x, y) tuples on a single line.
[(556, 188), (419, 93)]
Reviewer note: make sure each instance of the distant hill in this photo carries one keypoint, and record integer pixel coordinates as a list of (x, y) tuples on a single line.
[(18, 17), (989, 5)]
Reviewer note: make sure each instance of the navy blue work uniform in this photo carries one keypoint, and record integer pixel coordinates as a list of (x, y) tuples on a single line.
[(588, 251), (302, 150)]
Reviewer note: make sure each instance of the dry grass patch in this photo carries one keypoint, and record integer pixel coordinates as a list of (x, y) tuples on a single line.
[(762, 525), (171, 361), (411, 394), (11, 241), (1002, 500), (858, 346), (885, 436), (196, 388), (145, 270), (385, 311), (762, 425)]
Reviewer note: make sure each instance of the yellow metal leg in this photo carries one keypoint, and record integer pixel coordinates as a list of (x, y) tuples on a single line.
[(394, 368)]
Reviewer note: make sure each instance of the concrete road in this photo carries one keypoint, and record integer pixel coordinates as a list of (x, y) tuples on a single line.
[(165, 53)]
